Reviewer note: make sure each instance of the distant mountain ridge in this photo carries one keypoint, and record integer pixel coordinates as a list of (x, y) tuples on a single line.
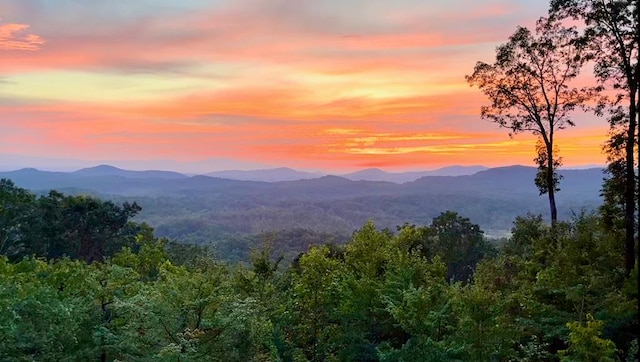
[(276, 174), (492, 198), (506, 178), (107, 170), (376, 174), (370, 174), (10, 162), (266, 175)]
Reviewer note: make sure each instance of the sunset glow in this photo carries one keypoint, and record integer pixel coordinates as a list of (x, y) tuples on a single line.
[(320, 85)]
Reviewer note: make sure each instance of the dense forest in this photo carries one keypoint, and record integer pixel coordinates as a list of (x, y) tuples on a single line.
[(81, 279)]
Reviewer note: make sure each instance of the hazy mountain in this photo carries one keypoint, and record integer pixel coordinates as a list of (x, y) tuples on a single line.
[(497, 182), (375, 174), (369, 174), (513, 180), (106, 170), (456, 170), (35, 179), (491, 198), (10, 162), (267, 175)]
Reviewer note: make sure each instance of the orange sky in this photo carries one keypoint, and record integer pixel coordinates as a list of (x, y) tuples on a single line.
[(321, 85)]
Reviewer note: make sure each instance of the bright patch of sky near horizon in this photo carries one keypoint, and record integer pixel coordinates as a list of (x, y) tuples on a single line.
[(329, 85)]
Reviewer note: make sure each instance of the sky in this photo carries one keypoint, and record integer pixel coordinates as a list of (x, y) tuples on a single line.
[(333, 85)]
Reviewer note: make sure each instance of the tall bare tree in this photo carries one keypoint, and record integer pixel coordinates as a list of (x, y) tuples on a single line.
[(612, 31), (529, 89)]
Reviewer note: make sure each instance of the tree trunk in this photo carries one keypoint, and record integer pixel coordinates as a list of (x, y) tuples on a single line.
[(629, 199), (634, 100), (630, 187), (105, 319), (551, 186)]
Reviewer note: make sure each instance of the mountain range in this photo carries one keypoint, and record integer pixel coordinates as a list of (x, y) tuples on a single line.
[(201, 208), (106, 170), (370, 174), (376, 174), (266, 175)]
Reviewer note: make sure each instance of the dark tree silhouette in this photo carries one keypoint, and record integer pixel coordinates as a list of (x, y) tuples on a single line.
[(529, 89), (612, 31)]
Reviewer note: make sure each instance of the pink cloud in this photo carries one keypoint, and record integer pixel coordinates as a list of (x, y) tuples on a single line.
[(15, 37)]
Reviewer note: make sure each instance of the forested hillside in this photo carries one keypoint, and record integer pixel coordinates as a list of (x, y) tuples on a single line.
[(222, 212), (81, 281)]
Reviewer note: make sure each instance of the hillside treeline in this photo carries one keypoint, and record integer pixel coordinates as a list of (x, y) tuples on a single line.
[(80, 281)]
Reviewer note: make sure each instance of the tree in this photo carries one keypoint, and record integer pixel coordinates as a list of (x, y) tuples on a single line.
[(56, 225), (315, 292), (613, 187), (613, 35), (460, 243), (369, 257), (528, 86), (586, 344), (546, 277), (97, 228), (40, 319), (16, 207)]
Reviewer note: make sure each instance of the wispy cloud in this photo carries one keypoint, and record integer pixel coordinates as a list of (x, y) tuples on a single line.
[(17, 37)]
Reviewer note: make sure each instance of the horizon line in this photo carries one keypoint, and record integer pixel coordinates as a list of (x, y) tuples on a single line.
[(319, 173)]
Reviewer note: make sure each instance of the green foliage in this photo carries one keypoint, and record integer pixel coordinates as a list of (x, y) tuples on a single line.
[(525, 234), (610, 33), (230, 221), (151, 253), (546, 279), (488, 333), (419, 300), (93, 229), (45, 312), (542, 176), (16, 206), (460, 243), (585, 344), (427, 293), (316, 294), (56, 225)]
